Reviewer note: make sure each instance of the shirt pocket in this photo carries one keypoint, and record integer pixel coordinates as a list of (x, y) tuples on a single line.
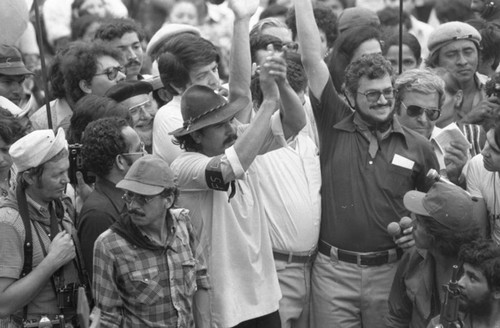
[(145, 286), (189, 273), (398, 181)]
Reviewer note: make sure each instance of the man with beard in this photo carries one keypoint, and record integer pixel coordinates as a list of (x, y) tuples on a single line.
[(137, 97), (484, 183), (146, 266), (479, 286), (124, 35), (488, 9), (368, 162)]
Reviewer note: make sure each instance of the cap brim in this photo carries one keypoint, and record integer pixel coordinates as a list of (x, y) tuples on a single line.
[(139, 188), (413, 201), (217, 116), (15, 71)]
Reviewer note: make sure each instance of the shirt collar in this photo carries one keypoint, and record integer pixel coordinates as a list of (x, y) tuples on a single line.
[(348, 125)]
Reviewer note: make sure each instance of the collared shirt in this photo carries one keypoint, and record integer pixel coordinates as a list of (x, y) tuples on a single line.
[(100, 210), (137, 287), (59, 110), (167, 119), (361, 195), (414, 298), (12, 237)]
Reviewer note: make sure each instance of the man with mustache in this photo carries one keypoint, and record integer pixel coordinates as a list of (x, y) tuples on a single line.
[(137, 97), (147, 266), (479, 285), (124, 35), (368, 162)]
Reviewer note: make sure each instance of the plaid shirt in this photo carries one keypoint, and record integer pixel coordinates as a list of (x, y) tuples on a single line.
[(136, 287)]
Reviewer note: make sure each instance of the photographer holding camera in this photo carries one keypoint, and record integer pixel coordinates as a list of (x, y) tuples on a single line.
[(39, 267)]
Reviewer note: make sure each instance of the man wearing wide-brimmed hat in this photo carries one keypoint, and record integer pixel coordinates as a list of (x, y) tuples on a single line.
[(36, 234), (220, 187)]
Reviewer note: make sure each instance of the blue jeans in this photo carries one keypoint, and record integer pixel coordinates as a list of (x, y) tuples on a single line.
[(347, 295)]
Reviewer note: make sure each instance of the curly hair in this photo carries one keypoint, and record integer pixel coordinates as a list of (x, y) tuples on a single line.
[(371, 66), (448, 241), (485, 255), (80, 63), (102, 141), (187, 143), (116, 28), (418, 80), (325, 19), (11, 128), (345, 47), (180, 55)]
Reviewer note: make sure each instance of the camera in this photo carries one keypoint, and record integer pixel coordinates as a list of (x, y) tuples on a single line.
[(76, 164), (492, 87), (67, 296)]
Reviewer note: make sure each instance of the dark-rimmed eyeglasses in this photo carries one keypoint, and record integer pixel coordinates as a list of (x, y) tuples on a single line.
[(141, 152), (111, 72), (415, 111), (129, 197), (374, 95)]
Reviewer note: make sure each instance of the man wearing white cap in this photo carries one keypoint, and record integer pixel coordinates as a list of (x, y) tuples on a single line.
[(31, 259)]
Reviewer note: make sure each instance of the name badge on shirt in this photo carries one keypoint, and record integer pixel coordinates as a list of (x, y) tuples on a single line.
[(403, 162)]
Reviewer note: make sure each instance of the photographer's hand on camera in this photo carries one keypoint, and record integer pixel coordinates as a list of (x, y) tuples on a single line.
[(61, 249)]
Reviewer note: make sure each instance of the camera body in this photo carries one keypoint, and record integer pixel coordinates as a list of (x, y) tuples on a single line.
[(492, 86), (67, 296), (76, 164)]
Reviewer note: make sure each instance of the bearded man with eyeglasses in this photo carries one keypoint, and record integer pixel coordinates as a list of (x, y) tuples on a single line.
[(148, 265), (109, 148), (368, 162), (419, 98)]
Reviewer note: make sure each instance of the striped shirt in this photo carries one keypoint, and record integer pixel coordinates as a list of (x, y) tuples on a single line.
[(137, 287)]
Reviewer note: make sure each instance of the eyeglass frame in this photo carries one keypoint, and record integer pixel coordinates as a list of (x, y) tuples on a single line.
[(114, 70), (142, 151), (129, 197), (139, 106), (423, 110), (368, 94)]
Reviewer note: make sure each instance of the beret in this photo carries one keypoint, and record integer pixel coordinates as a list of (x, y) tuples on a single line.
[(452, 31), (357, 16), (37, 148), (128, 89), (166, 32)]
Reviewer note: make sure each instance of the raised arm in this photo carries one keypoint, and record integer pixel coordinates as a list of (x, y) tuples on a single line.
[(241, 64), (310, 47)]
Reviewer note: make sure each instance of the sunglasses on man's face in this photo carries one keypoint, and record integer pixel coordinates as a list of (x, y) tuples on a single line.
[(416, 111), (112, 72)]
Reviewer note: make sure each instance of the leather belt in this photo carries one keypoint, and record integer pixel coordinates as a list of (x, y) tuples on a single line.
[(367, 259), (291, 257)]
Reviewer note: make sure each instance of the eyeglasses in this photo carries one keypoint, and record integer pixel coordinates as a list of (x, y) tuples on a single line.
[(374, 95), (112, 72), (145, 106), (141, 152), (292, 46), (130, 197), (416, 111)]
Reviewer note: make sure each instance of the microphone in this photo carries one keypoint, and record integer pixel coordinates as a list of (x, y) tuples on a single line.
[(395, 229)]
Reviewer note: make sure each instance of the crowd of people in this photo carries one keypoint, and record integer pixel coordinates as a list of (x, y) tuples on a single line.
[(251, 163)]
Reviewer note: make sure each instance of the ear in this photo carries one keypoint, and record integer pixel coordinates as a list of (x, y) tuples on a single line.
[(459, 98), (196, 135), (120, 162), (28, 178), (169, 201), (254, 68), (85, 86)]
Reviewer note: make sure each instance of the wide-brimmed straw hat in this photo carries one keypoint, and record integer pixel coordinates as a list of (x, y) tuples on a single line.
[(201, 106)]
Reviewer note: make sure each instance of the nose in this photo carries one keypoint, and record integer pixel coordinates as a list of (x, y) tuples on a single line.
[(214, 81), (120, 77), (461, 59), (422, 118), (131, 54), (382, 99), (144, 114), (65, 178)]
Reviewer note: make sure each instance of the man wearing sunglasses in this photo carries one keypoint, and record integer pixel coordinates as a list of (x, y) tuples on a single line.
[(148, 265), (368, 162), (418, 102), (110, 147), (137, 97)]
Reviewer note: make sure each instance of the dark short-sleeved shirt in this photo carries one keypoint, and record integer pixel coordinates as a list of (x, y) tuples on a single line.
[(99, 211), (361, 195)]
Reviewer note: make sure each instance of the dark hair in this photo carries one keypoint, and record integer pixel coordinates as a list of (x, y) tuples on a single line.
[(80, 25), (260, 42), (325, 19), (389, 17), (273, 11), (453, 10), (11, 128), (116, 28), (80, 64), (344, 48), (445, 240), (102, 141), (371, 66), (91, 108), (174, 191), (408, 39), (187, 143), (483, 254), (497, 134), (180, 55), (490, 40), (55, 74)]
